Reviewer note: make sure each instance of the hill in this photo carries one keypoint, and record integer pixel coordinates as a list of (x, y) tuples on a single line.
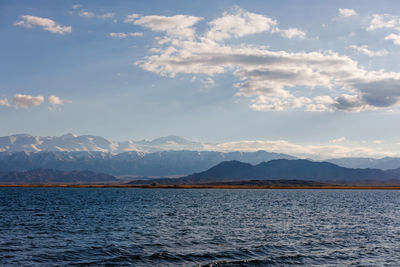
[(282, 169)]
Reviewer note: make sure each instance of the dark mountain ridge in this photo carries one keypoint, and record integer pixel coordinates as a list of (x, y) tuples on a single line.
[(283, 169), (289, 169)]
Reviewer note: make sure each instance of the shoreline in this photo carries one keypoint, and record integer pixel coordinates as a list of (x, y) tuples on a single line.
[(330, 187)]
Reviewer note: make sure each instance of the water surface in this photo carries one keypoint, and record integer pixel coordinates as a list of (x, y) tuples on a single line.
[(218, 227)]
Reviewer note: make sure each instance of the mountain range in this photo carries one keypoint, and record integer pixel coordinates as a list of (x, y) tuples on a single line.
[(280, 172), (70, 142), (170, 155), (282, 169), (163, 163)]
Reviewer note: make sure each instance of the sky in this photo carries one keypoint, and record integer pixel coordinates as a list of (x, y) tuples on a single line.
[(321, 76)]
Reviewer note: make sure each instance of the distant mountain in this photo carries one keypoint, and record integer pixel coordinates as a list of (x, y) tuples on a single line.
[(92, 143), (169, 143), (47, 176), (162, 163), (383, 163), (282, 169), (289, 169), (68, 143)]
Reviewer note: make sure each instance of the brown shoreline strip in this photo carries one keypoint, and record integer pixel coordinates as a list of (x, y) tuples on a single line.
[(203, 186)]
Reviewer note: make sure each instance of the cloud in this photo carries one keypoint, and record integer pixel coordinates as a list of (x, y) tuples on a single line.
[(106, 16), (364, 50), (272, 80), (306, 151), (351, 103), (394, 37), (237, 24), (380, 21), (208, 82), (386, 21), (55, 100), (27, 101), (29, 21), (346, 12), (4, 102), (293, 33), (176, 26), (338, 140), (89, 14), (86, 14), (124, 35), (131, 18)]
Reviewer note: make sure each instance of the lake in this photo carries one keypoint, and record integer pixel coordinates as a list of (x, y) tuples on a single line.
[(189, 227)]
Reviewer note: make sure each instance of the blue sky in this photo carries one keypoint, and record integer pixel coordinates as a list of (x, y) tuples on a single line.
[(319, 75)]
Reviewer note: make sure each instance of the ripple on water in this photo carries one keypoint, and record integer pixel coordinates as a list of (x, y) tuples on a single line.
[(109, 226)]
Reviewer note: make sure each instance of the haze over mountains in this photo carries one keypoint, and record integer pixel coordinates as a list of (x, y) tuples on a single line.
[(163, 163)]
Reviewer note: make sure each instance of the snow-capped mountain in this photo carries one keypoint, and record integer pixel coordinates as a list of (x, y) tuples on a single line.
[(68, 143), (71, 142), (179, 149)]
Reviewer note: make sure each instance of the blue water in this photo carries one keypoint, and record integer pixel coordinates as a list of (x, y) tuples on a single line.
[(161, 227)]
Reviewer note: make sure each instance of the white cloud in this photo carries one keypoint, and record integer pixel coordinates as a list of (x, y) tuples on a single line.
[(55, 100), (106, 16), (86, 14), (293, 33), (4, 102), (338, 140), (124, 35), (364, 50), (208, 82), (380, 21), (237, 24), (29, 21), (346, 12), (131, 18), (322, 103), (273, 80), (386, 21), (276, 103), (394, 37), (176, 26), (306, 151), (89, 14), (27, 101)]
